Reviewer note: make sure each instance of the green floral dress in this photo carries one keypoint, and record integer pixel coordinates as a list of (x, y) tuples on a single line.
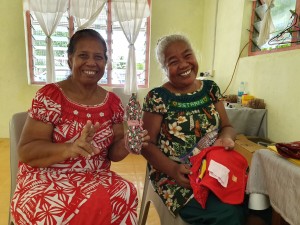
[(186, 118)]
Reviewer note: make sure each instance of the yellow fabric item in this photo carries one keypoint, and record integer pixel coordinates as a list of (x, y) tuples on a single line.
[(203, 169), (295, 161)]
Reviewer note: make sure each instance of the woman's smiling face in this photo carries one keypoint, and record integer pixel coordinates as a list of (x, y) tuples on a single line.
[(181, 64), (88, 61)]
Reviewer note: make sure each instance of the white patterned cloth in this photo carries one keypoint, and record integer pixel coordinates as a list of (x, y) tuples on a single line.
[(275, 176)]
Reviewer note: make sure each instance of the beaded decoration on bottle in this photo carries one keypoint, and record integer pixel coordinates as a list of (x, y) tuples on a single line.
[(133, 113)]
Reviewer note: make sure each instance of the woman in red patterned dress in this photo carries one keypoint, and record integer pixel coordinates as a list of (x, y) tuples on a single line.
[(73, 132)]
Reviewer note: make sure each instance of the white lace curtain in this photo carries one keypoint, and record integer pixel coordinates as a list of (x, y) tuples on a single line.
[(48, 14), (86, 12), (267, 25), (130, 14)]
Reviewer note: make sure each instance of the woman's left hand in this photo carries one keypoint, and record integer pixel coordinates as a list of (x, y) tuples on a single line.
[(228, 143)]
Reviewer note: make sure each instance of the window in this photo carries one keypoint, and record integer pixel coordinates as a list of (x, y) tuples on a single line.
[(286, 32), (37, 49), (116, 42)]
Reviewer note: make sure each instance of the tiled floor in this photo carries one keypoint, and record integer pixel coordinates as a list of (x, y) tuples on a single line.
[(132, 168)]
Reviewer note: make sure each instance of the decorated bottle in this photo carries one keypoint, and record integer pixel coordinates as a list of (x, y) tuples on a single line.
[(133, 115)]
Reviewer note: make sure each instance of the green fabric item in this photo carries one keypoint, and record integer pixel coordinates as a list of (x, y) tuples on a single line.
[(216, 213)]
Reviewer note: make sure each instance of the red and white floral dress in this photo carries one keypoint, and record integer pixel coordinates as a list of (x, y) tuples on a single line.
[(77, 191)]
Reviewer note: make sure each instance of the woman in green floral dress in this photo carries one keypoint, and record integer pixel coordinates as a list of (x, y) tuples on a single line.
[(177, 115)]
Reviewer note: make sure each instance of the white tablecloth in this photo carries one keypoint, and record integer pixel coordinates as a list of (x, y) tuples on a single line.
[(273, 175), (247, 121)]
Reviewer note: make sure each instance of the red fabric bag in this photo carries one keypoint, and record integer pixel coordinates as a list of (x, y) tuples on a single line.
[(237, 178)]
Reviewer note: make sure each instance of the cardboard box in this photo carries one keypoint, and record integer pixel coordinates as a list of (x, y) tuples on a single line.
[(246, 147)]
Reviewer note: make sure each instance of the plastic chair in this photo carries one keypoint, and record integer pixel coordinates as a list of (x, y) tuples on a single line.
[(149, 195), (16, 125)]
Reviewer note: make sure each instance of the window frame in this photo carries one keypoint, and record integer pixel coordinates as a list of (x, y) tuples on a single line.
[(251, 42), (109, 48)]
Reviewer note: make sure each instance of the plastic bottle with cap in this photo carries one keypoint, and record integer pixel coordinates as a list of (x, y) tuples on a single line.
[(246, 96), (241, 90)]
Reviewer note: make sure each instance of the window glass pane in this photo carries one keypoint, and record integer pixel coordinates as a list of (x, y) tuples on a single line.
[(140, 54), (59, 42), (285, 34), (281, 17), (38, 51), (60, 45), (120, 54)]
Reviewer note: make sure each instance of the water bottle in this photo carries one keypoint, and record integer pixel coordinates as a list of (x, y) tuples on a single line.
[(241, 91)]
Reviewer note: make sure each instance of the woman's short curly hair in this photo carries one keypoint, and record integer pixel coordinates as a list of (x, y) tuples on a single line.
[(164, 42)]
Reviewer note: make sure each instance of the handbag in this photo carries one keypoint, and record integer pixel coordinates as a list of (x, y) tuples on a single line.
[(289, 149)]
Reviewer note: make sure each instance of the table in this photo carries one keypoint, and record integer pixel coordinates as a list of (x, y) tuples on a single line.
[(277, 179), (247, 121)]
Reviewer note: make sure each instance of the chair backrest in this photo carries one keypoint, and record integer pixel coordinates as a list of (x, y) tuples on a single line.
[(150, 196), (16, 125)]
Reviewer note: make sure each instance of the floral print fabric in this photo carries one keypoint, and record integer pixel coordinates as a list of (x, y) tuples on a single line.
[(55, 195), (186, 118)]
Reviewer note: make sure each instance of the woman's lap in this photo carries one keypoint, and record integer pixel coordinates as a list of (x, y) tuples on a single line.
[(91, 212), (107, 198), (124, 201), (110, 204), (216, 212)]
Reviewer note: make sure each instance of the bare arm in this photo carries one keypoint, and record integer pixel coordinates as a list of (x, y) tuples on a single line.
[(152, 123), (37, 149), (227, 135)]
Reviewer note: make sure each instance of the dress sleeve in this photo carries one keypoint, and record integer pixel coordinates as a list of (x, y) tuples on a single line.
[(214, 91), (46, 105), (117, 109), (154, 102)]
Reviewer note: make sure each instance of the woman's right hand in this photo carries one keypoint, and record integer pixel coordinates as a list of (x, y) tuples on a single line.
[(180, 174), (83, 146)]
